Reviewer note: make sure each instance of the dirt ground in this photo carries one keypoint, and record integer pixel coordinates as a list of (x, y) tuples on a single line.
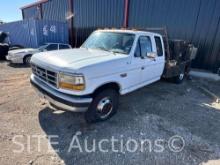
[(159, 111)]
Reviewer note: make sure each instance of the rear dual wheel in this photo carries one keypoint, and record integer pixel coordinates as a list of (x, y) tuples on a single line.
[(179, 79)]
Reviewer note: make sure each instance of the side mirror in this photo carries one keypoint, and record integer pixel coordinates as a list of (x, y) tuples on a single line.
[(151, 55)]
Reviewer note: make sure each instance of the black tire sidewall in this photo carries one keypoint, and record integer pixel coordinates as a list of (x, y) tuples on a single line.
[(177, 79), (91, 115), (25, 60)]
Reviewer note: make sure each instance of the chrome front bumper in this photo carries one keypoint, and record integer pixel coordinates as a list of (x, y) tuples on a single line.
[(60, 100)]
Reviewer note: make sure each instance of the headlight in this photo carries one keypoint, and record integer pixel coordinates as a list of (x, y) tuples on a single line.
[(71, 82)]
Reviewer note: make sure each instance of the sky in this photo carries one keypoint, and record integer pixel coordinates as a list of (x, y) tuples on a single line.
[(10, 9)]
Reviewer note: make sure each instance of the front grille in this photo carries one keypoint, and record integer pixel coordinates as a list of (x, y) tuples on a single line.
[(47, 76)]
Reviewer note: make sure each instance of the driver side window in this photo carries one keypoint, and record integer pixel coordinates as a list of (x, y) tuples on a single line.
[(145, 45)]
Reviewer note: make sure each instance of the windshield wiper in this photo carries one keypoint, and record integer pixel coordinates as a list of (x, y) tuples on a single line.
[(98, 48), (119, 52), (101, 48), (111, 51)]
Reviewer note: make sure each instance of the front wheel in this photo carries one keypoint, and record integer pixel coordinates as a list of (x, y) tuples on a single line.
[(103, 107), (27, 60)]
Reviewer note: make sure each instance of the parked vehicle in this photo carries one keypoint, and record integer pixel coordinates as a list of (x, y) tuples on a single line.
[(5, 45), (24, 55), (110, 63)]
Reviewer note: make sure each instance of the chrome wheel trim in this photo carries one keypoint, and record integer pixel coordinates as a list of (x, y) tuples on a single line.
[(181, 76), (104, 107)]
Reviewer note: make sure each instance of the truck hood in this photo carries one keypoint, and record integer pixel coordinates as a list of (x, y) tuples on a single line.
[(26, 50), (74, 58)]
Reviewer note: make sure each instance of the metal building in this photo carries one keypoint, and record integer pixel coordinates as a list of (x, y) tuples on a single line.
[(55, 10), (197, 21)]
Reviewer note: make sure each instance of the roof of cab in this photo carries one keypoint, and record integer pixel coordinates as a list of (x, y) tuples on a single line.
[(131, 31), (48, 43)]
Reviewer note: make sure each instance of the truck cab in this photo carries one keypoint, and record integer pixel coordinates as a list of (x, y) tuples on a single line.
[(91, 78)]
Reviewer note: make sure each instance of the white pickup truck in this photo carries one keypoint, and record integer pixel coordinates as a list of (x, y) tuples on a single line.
[(91, 78)]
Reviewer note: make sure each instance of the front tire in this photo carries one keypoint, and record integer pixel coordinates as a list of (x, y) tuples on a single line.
[(27, 60), (103, 107)]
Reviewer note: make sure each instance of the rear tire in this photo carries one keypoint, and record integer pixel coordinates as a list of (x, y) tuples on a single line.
[(103, 107), (179, 79), (27, 60)]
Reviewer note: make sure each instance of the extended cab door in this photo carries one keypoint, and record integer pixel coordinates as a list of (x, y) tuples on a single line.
[(160, 58)]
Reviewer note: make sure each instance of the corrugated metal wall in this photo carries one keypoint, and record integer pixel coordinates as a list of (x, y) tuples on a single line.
[(93, 14), (192, 20), (33, 33), (31, 13), (215, 56), (55, 10), (196, 21)]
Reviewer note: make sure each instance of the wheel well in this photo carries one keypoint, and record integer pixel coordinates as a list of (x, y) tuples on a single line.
[(114, 86)]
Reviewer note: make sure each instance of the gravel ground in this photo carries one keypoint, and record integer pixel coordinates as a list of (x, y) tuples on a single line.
[(144, 128)]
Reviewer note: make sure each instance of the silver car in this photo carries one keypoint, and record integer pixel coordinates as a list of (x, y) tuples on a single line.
[(23, 56)]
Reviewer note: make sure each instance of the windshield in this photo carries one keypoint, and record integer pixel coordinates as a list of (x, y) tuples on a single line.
[(41, 48), (110, 41)]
